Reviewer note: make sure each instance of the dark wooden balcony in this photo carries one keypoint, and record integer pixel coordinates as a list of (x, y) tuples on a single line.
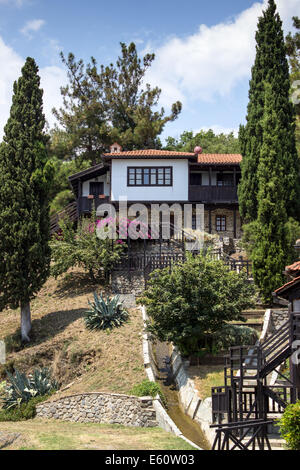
[(86, 204), (213, 194)]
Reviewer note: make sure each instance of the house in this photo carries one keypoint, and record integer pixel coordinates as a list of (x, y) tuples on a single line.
[(160, 176)]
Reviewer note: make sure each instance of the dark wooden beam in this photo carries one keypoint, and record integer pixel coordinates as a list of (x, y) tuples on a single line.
[(209, 221), (234, 223)]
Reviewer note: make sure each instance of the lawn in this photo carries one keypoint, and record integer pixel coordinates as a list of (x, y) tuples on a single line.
[(57, 435), (205, 377)]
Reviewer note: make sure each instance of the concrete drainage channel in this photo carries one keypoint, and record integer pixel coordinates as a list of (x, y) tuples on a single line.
[(158, 368)]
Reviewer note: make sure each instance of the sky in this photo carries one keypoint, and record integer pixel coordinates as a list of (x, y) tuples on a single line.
[(204, 50)]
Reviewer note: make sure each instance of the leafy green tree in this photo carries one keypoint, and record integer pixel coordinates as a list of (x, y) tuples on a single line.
[(25, 179), (290, 426), (208, 140), (83, 116), (293, 51), (104, 104), (194, 301), (270, 67), (83, 248), (271, 242), (130, 103)]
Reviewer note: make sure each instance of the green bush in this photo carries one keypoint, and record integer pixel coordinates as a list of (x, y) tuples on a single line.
[(105, 314), (290, 426), (61, 200), (83, 248), (233, 335), (24, 411), (21, 389), (194, 301), (148, 388)]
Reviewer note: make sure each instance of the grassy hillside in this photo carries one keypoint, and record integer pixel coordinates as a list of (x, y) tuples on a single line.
[(91, 361)]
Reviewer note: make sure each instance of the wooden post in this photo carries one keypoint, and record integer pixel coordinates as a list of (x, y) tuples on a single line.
[(209, 221), (234, 223), (210, 176)]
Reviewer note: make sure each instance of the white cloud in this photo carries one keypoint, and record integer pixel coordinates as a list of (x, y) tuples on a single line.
[(210, 63), (18, 3), (10, 65), (52, 78), (32, 26)]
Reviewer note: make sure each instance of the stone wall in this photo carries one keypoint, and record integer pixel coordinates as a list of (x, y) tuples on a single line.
[(123, 282), (279, 316), (229, 222), (101, 408)]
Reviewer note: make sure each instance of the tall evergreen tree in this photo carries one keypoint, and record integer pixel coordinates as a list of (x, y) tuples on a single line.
[(270, 66), (272, 249), (25, 178)]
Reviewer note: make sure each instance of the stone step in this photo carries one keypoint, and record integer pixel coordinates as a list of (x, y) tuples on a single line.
[(257, 313)]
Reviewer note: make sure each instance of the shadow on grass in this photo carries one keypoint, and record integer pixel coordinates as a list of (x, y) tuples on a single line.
[(78, 283), (44, 329)]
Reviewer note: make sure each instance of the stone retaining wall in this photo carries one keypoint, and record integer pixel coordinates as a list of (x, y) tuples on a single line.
[(123, 282), (101, 408)]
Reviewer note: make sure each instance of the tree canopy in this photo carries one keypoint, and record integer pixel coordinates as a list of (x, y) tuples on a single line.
[(208, 140), (194, 301), (112, 103)]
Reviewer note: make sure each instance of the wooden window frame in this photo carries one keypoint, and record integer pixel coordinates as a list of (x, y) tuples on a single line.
[(221, 223), (149, 168)]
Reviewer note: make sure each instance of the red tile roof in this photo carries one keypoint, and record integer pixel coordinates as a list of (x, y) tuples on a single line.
[(293, 267), (219, 158), (287, 285), (204, 158), (149, 153)]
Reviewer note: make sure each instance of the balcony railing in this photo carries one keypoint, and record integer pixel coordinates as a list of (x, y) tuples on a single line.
[(86, 204), (213, 194)]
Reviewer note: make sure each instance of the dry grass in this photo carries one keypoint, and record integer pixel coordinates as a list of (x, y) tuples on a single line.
[(58, 435), (94, 361), (206, 377)]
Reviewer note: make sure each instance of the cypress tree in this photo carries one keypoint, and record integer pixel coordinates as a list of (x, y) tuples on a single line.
[(272, 249), (271, 66), (25, 177)]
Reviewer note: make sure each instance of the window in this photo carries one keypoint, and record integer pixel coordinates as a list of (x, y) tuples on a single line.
[(96, 188), (225, 179), (195, 179), (221, 223), (152, 176)]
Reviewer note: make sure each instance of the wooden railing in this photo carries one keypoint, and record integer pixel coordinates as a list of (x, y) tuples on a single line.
[(252, 434), (213, 194), (69, 211), (86, 205)]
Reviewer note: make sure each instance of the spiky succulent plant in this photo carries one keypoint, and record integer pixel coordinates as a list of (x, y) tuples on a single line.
[(105, 314), (20, 388)]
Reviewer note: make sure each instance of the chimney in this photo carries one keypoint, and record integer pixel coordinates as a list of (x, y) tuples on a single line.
[(115, 148)]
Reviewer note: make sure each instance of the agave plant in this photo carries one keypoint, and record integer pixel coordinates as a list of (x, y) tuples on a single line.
[(20, 388), (105, 314)]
